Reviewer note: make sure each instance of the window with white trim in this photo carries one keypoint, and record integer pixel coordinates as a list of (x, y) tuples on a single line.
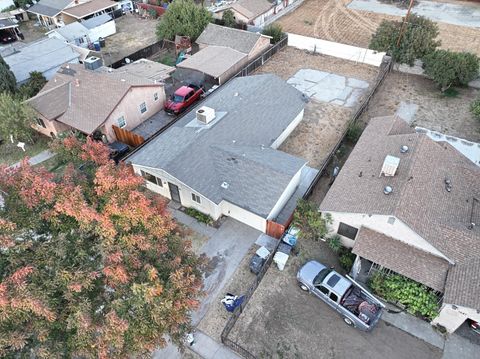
[(121, 122), (143, 107), (155, 96), (195, 198), (151, 178)]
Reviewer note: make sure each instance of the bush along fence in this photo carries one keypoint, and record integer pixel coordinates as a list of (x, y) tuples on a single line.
[(385, 69), (238, 311)]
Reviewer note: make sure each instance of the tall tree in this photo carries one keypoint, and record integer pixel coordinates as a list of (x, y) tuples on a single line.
[(418, 40), (7, 78), (16, 118), (228, 18), (33, 86), (184, 18), (90, 267)]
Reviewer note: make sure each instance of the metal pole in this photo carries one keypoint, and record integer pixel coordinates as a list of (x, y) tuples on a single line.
[(404, 23)]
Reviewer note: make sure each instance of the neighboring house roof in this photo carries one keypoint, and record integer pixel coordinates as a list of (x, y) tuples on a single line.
[(142, 69), (409, 261), (234, 148), (240, 40), (463, 285), (251, 9), (7, 23), (95, 21), (49, 8), (419, 197), (213, 60), (89, 8), (80, 98), (42, 55), (72, 31)]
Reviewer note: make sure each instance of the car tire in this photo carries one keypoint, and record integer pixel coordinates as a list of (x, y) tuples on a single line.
[(303, 287), (348, 321)]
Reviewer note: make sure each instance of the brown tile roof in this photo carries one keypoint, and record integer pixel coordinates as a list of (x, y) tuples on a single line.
[(463, 285), (402, 258), (88, 8), (90, 98), (419, 197)]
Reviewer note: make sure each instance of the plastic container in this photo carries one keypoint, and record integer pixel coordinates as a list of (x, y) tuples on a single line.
[(101, 40), (96, 44)]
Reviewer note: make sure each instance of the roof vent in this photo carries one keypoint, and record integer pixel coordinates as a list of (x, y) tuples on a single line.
[(77, 82), (235, 94), (404, 149), (390, 165), (448, 185), (224, 185), (205, 114), (387, 190)]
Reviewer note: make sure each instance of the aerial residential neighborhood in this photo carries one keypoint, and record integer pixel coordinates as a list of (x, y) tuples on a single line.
[(187, 179)]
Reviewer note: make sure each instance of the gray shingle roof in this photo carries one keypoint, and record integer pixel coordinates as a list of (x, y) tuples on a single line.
[(49, 7), (73, 31), (240, 40), (252, 111), (252, 8), (409, 261), (95, 21), (419, 196), (463, 285), (42, 55)]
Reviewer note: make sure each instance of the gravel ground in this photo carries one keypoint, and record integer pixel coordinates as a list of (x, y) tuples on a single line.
[(281, 321), (332, 20)]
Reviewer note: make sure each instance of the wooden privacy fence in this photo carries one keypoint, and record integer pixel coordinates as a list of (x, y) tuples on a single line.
[(128, 137)]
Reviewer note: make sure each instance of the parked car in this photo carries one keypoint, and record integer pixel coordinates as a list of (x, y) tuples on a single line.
[(474, 325), (353, 302), (118, 150), (183, 98)]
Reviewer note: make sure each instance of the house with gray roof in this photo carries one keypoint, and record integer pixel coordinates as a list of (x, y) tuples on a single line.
[(222, 157), (250, 12), (45, 55), (410, 205)]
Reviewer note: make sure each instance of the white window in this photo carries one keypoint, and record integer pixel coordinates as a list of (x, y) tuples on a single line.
[(40, 122), (195, 198), (151, 178), (121, 122), (155, 96), (143, 107)]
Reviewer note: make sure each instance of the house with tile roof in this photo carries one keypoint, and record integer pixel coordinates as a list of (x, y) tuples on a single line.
[(408, 204), (58, 13), (250, 12), (92, 102), (222, 157)]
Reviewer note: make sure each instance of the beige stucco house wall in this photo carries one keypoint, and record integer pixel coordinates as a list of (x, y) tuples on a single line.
[(262, 44), (129, 108), (452, 317), (51, 129)]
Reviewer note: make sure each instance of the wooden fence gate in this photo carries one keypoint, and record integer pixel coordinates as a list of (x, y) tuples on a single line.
[(128, 137)]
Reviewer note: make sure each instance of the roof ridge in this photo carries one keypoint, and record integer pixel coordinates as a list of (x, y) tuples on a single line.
[(46, 92), (235, 29)]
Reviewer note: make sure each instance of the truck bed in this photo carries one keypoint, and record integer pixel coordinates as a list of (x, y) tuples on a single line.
[(357, 302)]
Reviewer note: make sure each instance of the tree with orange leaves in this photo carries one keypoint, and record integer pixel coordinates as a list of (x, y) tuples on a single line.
[(89, 266)]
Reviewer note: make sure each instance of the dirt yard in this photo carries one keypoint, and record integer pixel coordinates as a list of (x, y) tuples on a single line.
[(449, 115), (332, 20), (133, 34), (281, 321), (323, 123)]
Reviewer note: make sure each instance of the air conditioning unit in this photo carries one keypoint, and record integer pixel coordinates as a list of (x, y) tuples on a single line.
[(205, 114), (93, 63)]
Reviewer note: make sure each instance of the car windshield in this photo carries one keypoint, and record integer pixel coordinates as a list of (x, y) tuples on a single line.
[(321, 276), (177, 98)]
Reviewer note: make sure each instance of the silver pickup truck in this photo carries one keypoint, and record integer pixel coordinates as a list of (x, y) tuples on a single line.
[(355, 304)]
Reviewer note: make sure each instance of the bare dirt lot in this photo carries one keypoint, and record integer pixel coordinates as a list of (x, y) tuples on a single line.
[(281, 321), (133, 34), (332, 20), (323, 123), (449, 115)]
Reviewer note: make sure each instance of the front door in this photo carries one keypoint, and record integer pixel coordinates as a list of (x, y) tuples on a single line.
[(174, 193)]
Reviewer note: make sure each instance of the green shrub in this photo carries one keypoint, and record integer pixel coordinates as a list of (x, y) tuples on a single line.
[(417, 298), (335, 243), (275, 31), (346, 259), (354, 132), (199, 216), (228, 18), (475, 108), (310, 221)]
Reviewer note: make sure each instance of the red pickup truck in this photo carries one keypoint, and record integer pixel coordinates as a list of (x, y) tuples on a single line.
[(182, 99)]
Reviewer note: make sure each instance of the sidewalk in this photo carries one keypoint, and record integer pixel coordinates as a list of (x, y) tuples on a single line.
[(208, 348), (35, 160)]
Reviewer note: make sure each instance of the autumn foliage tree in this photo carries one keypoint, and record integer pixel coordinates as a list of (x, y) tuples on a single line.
[(90, 267)]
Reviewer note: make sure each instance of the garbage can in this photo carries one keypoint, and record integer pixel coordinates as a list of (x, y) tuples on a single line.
[(97, 46), (101, 40)]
